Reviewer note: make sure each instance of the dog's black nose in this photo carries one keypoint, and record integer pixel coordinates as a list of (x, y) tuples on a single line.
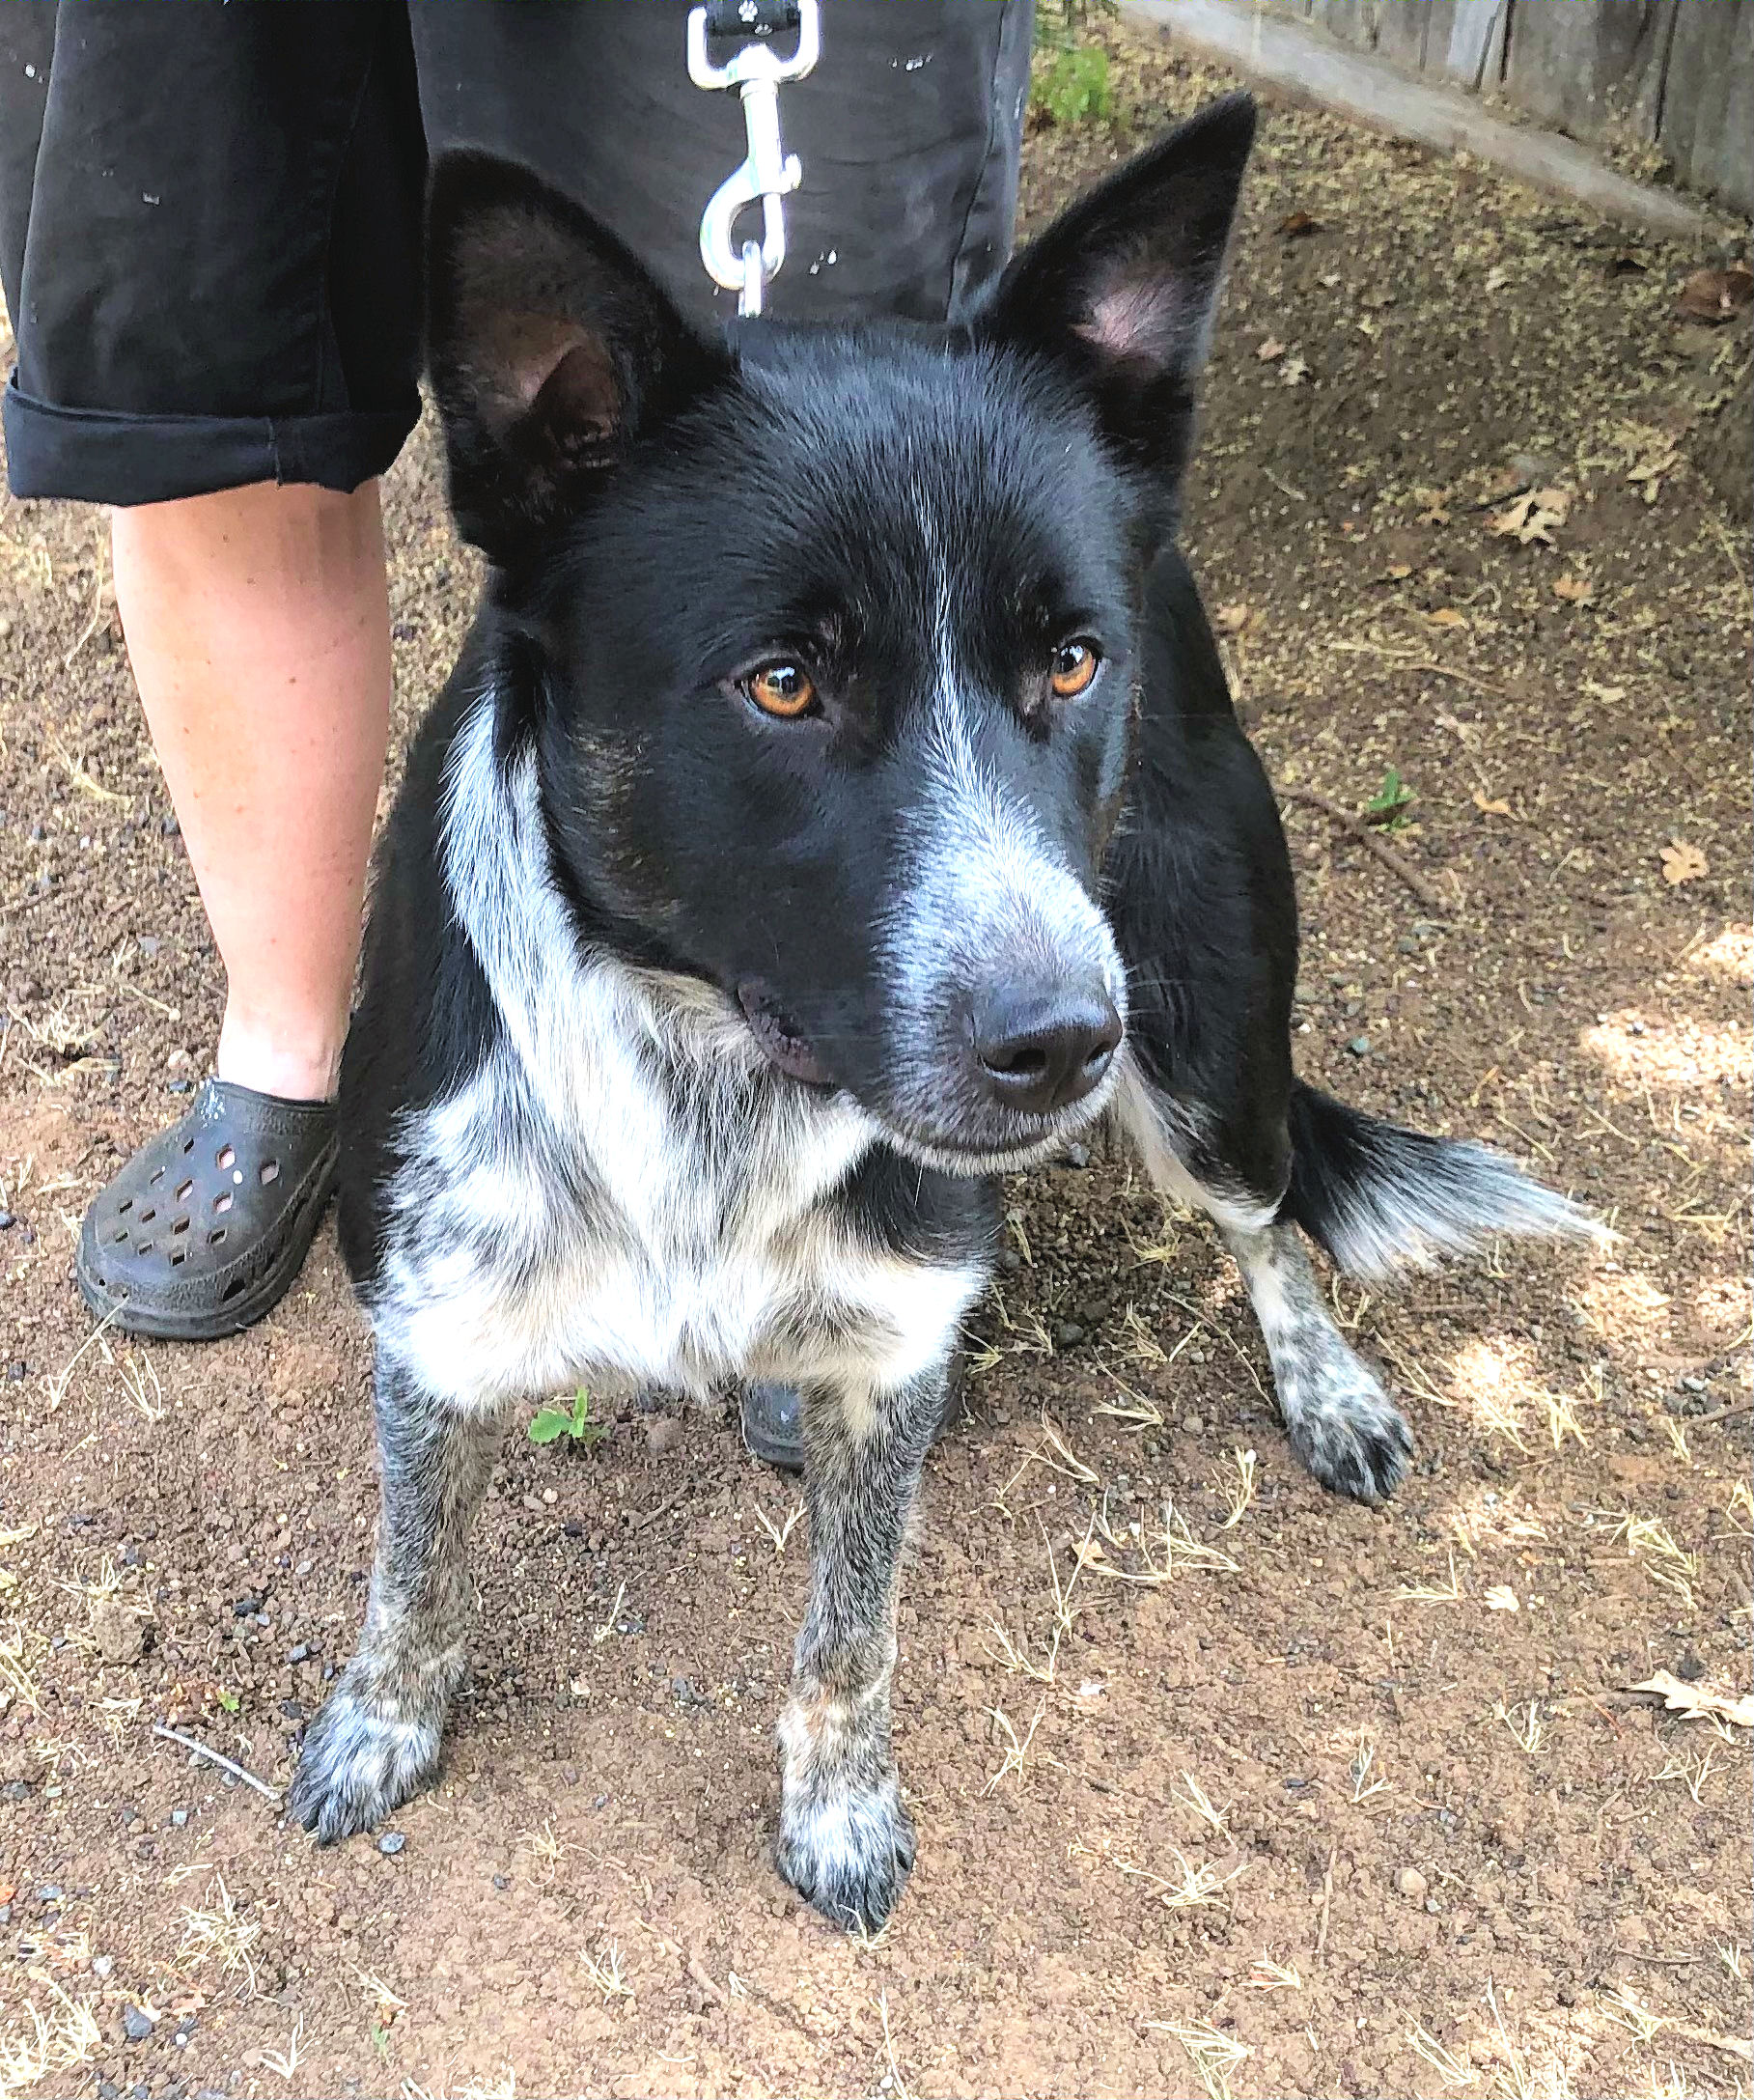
[(1041, 1051)]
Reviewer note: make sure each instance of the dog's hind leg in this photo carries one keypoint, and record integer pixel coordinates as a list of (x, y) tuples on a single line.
[(1198, 885), (1341, 1422), (845, 1842), (377, 1739)]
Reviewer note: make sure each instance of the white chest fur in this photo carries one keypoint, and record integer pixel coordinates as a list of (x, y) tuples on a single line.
[(625, 1193)]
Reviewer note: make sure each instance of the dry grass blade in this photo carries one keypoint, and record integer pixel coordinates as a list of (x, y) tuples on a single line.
[(1161, 1554), (382, 1998), (58, 1382), (897, 2086), (1449, 1592), (1020, 1745), (1649, 1542), (1218, 1818), (1692, 1772), (68, 2038), (1240, 1493), (1013, 1655), (780, 1533), (1448, 2068), (16, 1684), (1267, 1975), (1528, 1728), (1134, 1409), (605, 1969), (1516, 2080), (1365, 1787), (1196, 1887), (1214, 2057), (1623, 2006), (218, 1934), (283, 2063)]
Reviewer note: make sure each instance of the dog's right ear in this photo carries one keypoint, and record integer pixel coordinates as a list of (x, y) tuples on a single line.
[(549, 348)]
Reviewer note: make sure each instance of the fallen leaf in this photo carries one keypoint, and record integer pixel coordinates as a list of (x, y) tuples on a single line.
[(1497, 277), (1291, 370), (1447, 616), (1489, 808), (1298, 226), (1532, 517), (1682, 862), (1700, 1701), (1233, 619), (1398, 571), (1270, 348), (1577, 590), (1649, 475), (1501, 1597), (1715, 296), (1087, 1552)]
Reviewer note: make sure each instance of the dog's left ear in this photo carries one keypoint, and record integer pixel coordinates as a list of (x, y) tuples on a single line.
[(1120, 289), (551, 349)]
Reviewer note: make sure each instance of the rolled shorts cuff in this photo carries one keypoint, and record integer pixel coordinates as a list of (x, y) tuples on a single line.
[(94, 456)]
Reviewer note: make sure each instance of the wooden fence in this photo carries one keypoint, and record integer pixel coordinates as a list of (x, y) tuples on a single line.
[(1673, 74)]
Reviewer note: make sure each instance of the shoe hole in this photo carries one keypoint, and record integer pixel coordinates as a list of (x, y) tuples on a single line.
[(124, 1207), (178, 1260), (189, 1146), (121, 1237), (147, 1216), (142, 1247), (182, 1193), (268, 1171), (215, 1236), (231, 1290), (156, 1177), (180, 1226), (226, 1156), (223, 1202)]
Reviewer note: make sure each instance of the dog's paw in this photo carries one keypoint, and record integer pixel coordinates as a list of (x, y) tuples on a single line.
[(1344, 1428), (363, 1757), (847, 1852)]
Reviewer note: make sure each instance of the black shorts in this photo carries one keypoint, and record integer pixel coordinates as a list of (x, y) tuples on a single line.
[(210, 212)]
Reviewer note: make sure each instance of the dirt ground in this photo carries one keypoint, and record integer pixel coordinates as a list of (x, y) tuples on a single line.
[(1222, 1785)]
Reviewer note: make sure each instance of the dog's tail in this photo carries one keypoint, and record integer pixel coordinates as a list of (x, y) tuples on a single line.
[(1382, 1199)]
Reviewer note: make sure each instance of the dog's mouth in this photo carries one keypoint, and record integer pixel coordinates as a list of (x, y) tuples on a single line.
[(780, 1037)]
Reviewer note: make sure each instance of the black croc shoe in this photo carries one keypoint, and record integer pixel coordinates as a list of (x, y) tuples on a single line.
[(205, 1229), (773, 1419)]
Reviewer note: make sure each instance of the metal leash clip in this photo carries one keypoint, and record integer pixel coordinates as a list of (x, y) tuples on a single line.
[(769, 173)]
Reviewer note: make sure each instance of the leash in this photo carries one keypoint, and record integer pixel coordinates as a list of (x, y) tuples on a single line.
[(769, 173)]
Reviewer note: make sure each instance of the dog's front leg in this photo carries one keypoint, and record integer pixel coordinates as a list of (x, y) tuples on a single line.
[(845, 1842), (375, 1741)]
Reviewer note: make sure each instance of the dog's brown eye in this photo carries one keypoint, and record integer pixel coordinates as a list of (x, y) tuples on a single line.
[(784, 689), (1074, 665)]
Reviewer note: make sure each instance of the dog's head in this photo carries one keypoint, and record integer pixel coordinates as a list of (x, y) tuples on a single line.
[(834, 627)]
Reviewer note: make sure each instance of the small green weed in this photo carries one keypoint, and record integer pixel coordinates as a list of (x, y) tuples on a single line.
[(551, 1422), (1072, 88), (1388, 806)]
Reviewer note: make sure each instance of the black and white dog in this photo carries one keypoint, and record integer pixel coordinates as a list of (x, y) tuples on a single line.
[(837, 803)]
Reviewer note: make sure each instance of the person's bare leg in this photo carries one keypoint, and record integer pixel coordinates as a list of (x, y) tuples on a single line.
[(258, 627)]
